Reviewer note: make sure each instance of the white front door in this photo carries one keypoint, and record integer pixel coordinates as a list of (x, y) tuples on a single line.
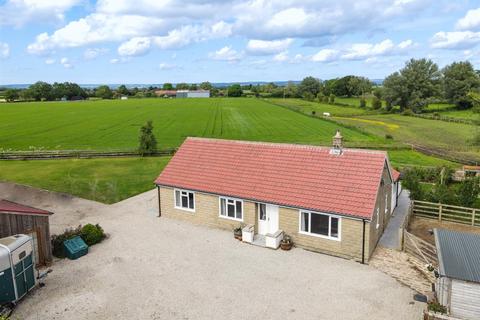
[(267, 218)]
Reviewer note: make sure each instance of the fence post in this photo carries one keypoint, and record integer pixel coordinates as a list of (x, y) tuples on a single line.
[(440, 213), (473, 217)]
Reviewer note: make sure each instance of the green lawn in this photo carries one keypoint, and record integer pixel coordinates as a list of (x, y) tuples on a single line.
[(407, 158), (461, 114), (114, 124), (106, 180), (307, 107), (448, 137)]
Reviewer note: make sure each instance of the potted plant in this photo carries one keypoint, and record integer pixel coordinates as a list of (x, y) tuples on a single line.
[(237, 233), (286, 243)]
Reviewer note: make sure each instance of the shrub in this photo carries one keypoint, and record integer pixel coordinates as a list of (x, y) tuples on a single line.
[(408, 112), (468, 192), (320, 97), (325, 99), (388, 106), (363, 102), (314, 112), (376, 103), (57, 240), (332, 99), (389, 136), (92, 234), (437, 307)]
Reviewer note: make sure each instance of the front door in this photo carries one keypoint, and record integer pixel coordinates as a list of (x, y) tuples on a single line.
[(267, 218)]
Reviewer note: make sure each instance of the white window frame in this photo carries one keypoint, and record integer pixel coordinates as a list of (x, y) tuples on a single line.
[(378, 217), (226, 208), (330, 216), (175, 200)]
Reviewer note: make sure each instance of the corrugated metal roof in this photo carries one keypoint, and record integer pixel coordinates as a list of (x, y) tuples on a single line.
[(458, 254)]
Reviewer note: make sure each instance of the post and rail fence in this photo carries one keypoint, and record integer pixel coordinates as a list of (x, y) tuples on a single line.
[(71, 154), (445, 212)]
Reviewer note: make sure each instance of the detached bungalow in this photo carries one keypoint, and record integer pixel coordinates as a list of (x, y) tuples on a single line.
[(331, 200)]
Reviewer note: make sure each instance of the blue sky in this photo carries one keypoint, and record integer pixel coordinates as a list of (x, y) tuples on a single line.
[(155, 41)]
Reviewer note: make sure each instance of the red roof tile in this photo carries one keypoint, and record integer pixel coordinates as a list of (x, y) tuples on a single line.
[(395, 175), (12, 207), (300, 176)]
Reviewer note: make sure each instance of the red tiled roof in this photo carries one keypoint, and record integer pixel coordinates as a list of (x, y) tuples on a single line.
[(12, 207), (300, 176), (395, 175)]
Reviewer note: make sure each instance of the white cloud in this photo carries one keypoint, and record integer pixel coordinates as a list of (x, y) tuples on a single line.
[(263, 47), (135, 47), (455, 40), (360, 51), (50, 61), (470, 22), (93, 53), (119, 60), (65, 62), (167, 66), (325, 55), (20, 12), (226, 54), (406, 44), (281, 57), (4, 50)]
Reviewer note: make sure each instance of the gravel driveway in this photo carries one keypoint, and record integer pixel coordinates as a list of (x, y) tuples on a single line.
[(157, 268)]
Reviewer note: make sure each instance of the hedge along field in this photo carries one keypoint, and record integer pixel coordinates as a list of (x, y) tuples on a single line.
[(114, 124), (105, 180)]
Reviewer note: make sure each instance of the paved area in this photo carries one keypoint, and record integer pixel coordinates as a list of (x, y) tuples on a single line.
[(157, 268), (390, 238)]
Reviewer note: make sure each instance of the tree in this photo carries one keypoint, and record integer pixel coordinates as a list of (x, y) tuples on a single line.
[(376, 103), (235, 90), (104, 92), (459, 78), (40, 91), (167, 86), (363, 102), (331, 99), (311, 85), (475, 98), (147, 141), (468, 192), (193, 86), (206, 85), (411, 181), (182, 86), (413, 85), (122, 90), (11, 95)]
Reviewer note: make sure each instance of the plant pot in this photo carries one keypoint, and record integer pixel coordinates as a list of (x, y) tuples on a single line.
[(237, 236), (286, 245)]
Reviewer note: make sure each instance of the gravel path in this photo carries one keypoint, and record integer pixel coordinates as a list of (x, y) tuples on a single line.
[(157, 268)]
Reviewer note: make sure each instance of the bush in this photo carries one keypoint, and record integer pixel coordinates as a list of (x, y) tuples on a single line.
[(408, 112), (332, 99), (57, 240), (325, 99), (389, 136), (363, 102), (388, 106), (437, 307), (376, 103), (92, 234)]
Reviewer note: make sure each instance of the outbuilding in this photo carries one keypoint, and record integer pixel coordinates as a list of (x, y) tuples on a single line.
[(193, 93), (396, 188), (16, 218), (458, 284)]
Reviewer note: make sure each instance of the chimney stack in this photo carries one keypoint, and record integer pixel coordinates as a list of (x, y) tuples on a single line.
[(337, 144)]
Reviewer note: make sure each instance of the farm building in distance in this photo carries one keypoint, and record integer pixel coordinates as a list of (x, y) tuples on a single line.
[(166, 93), (331, 200), (193, 93), (16, 218), (458, 284)]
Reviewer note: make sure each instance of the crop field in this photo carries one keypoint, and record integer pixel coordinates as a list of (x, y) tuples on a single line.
[(115, 124)]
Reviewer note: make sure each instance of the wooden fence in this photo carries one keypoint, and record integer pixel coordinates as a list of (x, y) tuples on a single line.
[(444, 212), (69, 154), (419, 249)]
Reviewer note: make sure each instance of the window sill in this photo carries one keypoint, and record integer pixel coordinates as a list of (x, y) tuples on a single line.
[(185, 209), (319, 236), (230, 218)]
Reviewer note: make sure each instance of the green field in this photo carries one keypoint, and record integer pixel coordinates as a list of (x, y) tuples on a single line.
[(105, 180), (114, 124), (461, 114), (307, 107), (447, 137)]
